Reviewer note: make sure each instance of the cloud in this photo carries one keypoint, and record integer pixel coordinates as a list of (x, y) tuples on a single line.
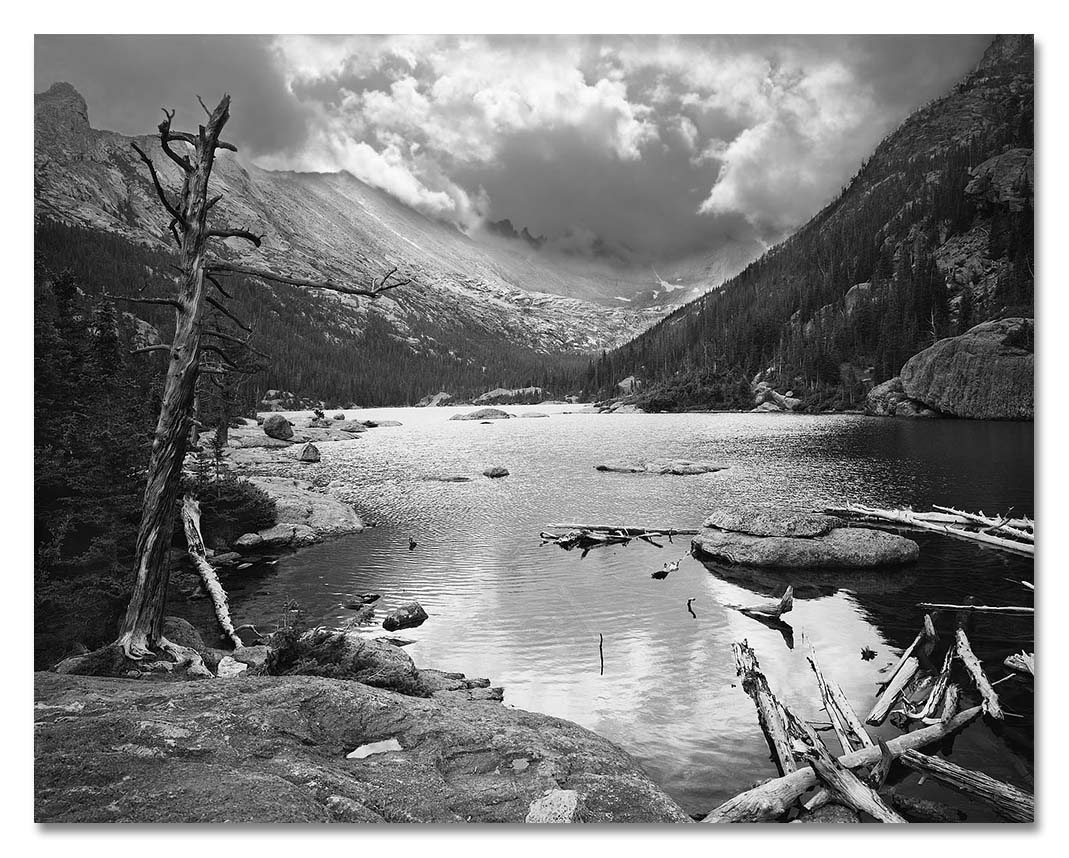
[(650, 147)]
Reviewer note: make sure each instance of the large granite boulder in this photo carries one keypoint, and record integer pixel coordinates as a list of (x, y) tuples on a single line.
[(839, 548), (888, 399), (987, 373), (483, 414), (772, 524), (275, 749), (277, 426)]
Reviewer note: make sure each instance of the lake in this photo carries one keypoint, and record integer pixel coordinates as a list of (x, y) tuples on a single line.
[(528, 616)]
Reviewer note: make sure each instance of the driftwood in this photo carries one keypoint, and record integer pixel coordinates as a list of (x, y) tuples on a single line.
[(627, 530), (848, 727), (775, 797), (933, 703), (990, 524), (1008, 610), (911, 519), (195, 545), (1022, 662), (773, 610), (1008, 801), (976, 671), (903, 672), (770, 713), (849, 789)]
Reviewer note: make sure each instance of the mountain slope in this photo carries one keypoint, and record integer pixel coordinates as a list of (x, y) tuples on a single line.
[(933, 235)]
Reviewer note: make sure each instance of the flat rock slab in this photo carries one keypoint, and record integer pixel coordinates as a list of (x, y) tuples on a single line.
[(273, 749), (303, 511), (840, 548), (483, 414), (678, 467), (771, 524)]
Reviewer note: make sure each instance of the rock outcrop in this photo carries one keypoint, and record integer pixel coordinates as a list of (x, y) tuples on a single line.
[(511, 396), (483, 414), (770, 524), (274, 749), (677, 467), (304, 515), (435, 401), (987, 373), (839, 548), (888, 399)]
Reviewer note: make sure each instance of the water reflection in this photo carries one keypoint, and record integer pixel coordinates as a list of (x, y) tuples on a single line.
[(531, 616)]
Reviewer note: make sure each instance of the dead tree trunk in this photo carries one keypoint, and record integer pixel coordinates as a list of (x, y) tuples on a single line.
[(195, 544), (142, 628)]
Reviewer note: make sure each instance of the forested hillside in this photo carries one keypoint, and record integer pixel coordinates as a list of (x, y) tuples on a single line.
[(312, 349), (933, 235)]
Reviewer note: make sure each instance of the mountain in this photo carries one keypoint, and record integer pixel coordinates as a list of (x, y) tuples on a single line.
[(499, 305), (931, 237)]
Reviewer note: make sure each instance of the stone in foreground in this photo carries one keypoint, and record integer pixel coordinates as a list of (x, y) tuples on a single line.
[(273, 749), (406, 617), (839, 548), (278, 427)]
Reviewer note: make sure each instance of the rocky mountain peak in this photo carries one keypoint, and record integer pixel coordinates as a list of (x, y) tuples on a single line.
[(1009, 50), (61, 109)]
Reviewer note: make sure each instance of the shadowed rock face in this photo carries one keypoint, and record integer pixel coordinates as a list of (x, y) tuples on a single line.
[(839, 548), (273, 749), (987, 373)]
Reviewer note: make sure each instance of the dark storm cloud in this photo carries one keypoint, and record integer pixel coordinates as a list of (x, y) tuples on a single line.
[(127, 79), (661, 145)]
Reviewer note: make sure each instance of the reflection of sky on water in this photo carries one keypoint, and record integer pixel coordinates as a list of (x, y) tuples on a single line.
[(528, 616)]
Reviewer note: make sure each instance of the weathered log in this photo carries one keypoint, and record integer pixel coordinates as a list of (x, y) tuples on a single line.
[(922, 809), (775, 797), (769, 711), (1008, 801), (772, 610), (976, 671), (1008, 610), (933, 702), (848, 727), (910, 519), (628, 530), (1022, 662), (903, 672), (195, 546), (849, 789), (989, 524)]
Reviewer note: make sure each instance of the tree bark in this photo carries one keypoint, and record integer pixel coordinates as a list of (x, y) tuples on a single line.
[(195, 543), (769, 712)]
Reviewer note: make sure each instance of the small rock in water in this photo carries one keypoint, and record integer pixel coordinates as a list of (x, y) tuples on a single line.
[(412, 544), (407, 616), (496, 471), (374, 748)]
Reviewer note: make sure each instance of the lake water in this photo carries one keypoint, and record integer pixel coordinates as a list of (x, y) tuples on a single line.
[(529, 616)]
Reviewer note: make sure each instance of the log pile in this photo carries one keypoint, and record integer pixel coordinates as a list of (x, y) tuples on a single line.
[(587, 536), (856, 778), (1016, 535)]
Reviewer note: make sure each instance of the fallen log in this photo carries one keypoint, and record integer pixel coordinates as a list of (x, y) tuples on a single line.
[(934, 701), (848, 788), (775, 797), (1008, 610), (976, 671), (903, 672), (1022, 662), (848, 727), (769, 712), (910, 519), (197, 553), (962, 519), (989, 524), (773, 610), (1008, 801), (628, 530)]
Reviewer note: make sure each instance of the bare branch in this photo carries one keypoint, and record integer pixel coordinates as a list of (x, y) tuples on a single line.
[(208, 347), (172, 302), (251, 237), (330, 285), (174, 232), (167, 136), (212, 202), (171, 210), (230, 338), (159, 347), (228, 314), (218, 285), (222, 144), (202, 104)]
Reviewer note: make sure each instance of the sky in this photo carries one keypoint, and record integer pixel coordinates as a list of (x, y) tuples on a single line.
[(652, 147)]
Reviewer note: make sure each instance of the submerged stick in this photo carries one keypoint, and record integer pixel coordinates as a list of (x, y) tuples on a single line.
[(601, 651), (1008, 610)]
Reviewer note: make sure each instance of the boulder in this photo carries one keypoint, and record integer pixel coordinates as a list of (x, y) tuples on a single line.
[(496, 471), (339, 416), (350, 655), (273, 749), (766, 407), (353, 426), (248, 541), (438, 399), (534, 414), (888, 399), (407, 616), (303, 512), (677, 467), (277, 426), (839, 548), (230, 668), (987, 373), (309, 453), (771, 524), (483, 414), (254, 657), (380, 424)]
